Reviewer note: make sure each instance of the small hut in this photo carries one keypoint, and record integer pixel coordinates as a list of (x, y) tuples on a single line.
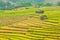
[(43, 17)]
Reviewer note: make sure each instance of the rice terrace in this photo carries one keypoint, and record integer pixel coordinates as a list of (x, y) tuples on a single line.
[(25, 20)]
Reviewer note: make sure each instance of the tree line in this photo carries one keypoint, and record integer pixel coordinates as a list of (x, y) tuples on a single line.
[(9, 6)]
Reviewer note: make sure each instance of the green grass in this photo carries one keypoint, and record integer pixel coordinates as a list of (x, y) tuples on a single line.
[(6, 13)]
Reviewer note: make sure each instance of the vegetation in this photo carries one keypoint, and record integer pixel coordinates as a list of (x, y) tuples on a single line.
[(48, 4), (58, 4), (22, 20), (13, 4), (26, 25)]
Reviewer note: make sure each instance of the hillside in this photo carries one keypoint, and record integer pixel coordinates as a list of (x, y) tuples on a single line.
[(27, 25)]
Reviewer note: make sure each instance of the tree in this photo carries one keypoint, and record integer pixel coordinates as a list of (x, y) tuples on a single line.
[(58, 3), (26, 4), (48, 4)]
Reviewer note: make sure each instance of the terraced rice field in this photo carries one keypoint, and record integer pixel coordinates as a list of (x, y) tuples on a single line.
[(30, 27)]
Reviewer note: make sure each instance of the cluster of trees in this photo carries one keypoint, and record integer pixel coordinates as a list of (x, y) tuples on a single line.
[(48, 4), (51, 4), (12, 4), (4, 6), (58, 4)]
